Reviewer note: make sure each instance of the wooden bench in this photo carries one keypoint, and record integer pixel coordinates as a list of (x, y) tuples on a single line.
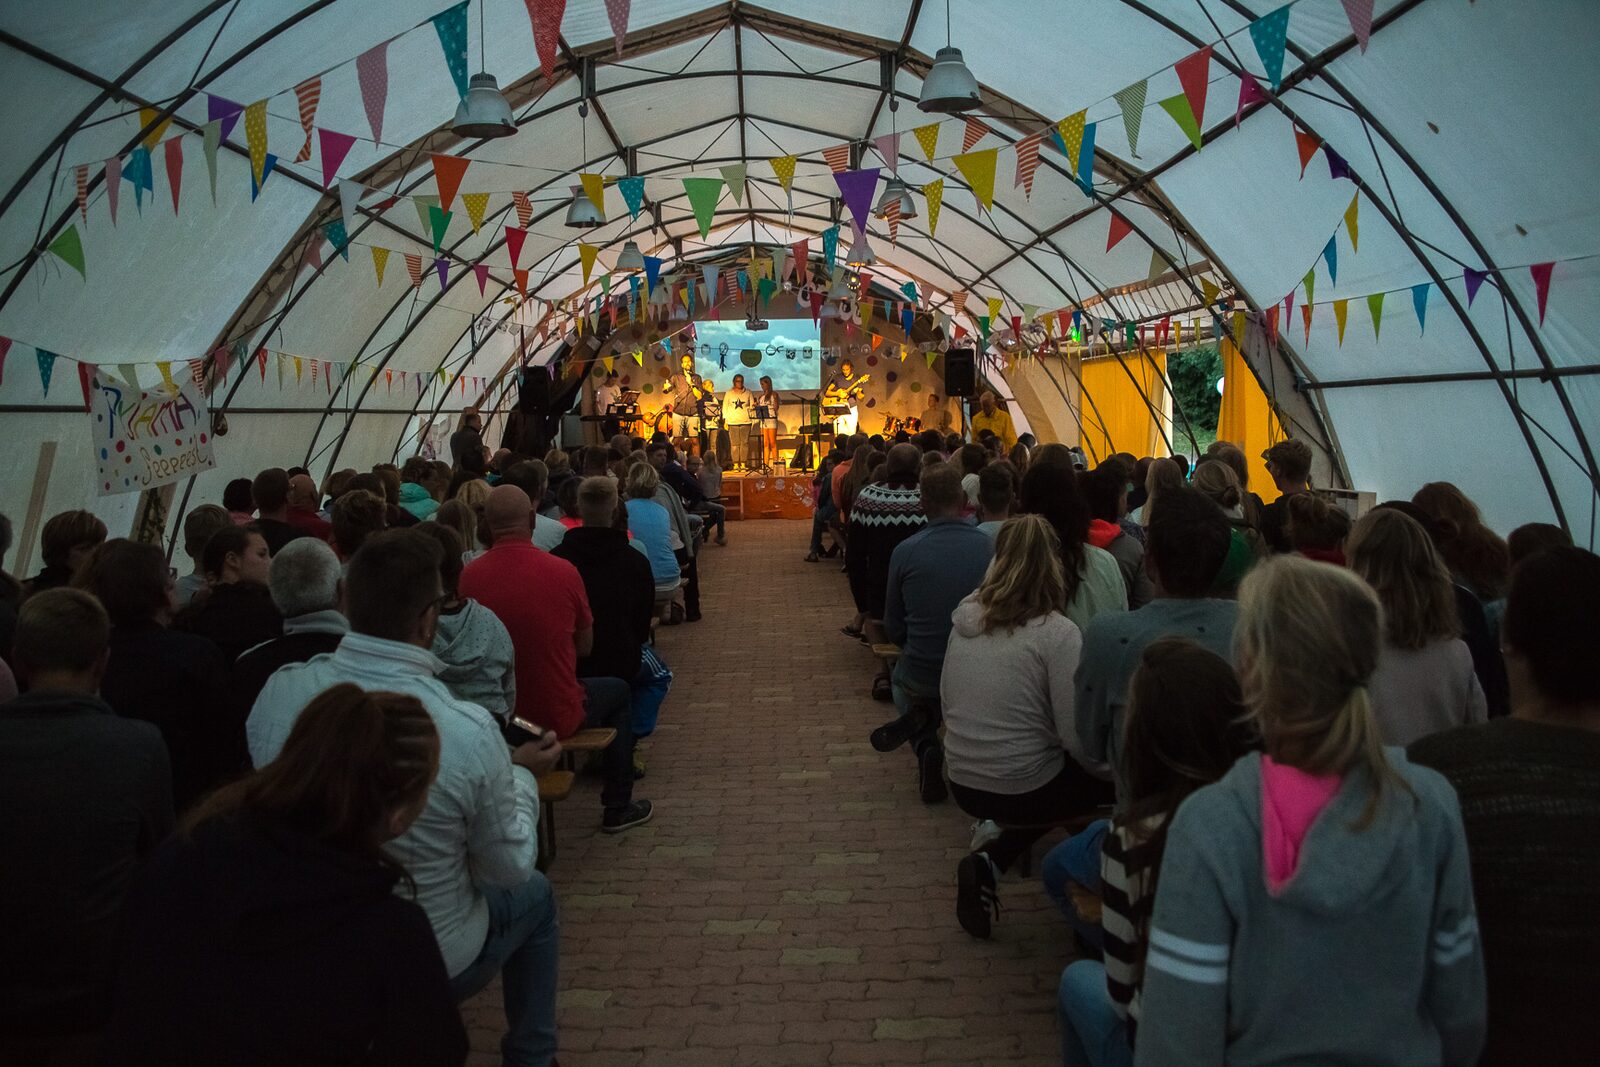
[(585, 741), (554, 786)]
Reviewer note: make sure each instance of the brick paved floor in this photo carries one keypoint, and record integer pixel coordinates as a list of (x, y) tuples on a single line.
[(792, 902)]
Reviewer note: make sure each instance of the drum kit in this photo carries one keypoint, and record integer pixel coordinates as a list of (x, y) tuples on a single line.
[(892, 425)]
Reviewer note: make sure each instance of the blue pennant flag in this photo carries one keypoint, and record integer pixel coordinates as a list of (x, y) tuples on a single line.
[(910, 289), (1086, 160), (1419, 300), (907, 317), (451, 25), (1270, 33), (266, 172), (652, 272), (830, 247), (1331, 254), (334, 232)]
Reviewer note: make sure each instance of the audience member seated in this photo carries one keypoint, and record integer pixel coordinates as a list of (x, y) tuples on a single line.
[(972, 458), (1220, 485), (198, 526), (307, 587), (664, 458), (236, 612), (387, 485), (1233, 457), (567, 503), (64, 543), (1475, 554), (336, 485), (708, 476), (1010, 741), (532, 476), (1526, 540), (825, 514), (270, 491), (87, 794), (1529, 788), (997, 492), (276, 909), (1316, 528), (417, 488), (1324, 881), (686, 544), (1289, 467), (1094, 580), (542, 602), (175, 681), (1425, 681), (1186, 726), (1105, 491), (471, 852), (651, 528), (558, 464), (883, 515), (471, 641), (930, 574), (240, 504), (1163, 474), (1187, 542), (303, 513), (357, 515)]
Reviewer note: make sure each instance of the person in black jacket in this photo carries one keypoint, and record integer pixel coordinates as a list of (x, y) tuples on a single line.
[(236, 612), (85, 796), (616, 578), (176, 681), (268, 931), (306, 583)]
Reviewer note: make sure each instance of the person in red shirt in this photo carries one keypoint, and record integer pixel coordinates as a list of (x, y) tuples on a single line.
[(541, 601), (302, 514)]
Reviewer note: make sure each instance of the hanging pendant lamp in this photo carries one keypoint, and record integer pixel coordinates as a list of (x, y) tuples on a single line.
[(861, 254), (483, 113), (949, 87), (630, 257), (581, 213), (895, 189)]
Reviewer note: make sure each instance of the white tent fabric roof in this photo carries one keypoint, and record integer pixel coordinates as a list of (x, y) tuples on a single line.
[(1455, 122)]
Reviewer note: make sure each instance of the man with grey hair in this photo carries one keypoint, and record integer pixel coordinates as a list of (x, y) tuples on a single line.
[(307, 586)]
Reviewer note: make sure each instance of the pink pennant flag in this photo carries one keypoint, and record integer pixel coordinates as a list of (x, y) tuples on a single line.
[(545, 15), (617, 12), (113, 184), (335, 146), (1541, 284), (1027, 162), (888, 147), (5, 346), (838, 157), (1359, 12), (86, 378), (307, 93), (1250, 92), (82, 171), (482, 271), (524, 209), (173, 147), (372, 70), (974, 133), (1288, 307), (514, 239)]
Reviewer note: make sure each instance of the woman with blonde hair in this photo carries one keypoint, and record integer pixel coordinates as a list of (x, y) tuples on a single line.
[(651, 526), (1007, 695), (1163, 474), (1425, 681), (1220, 485), (1324, 880)]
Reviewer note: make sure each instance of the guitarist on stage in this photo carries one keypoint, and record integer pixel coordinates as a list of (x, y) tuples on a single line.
[(845, 388)]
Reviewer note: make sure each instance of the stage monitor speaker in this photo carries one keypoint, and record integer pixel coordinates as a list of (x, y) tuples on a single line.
[(534, 399), (960, 372)]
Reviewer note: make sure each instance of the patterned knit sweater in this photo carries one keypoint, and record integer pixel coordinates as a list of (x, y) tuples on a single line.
[(884, 514)]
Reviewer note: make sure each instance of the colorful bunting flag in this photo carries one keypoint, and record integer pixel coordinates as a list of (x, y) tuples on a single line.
[(892, 217), (1027, 163), (978, 168), (1178, 108), (545, 15), (477, 204), (1194, 74), (372, 71), (783, 167), (830, 247), (973, 133), (888, 146), (334, 146), (617, 11), (594, 187), (349, 198), (524, 208), (632, 190), (5, 347), (1305, 316), (1359, 12), (47, 367), (1419, 302), (307, 94), (335, 233), (1341, 309), (802, 259), (1071, 130), (1473, 278), (1131, 100), (442, 265), (1306, 143), (587, 254), (154, 125), (521, 277), (68, 246), (838, 157), (219, 109), (1351, 216), (933, 192), (447, 174), (1541, 285), (1120, 228), (1250, 92), (703, 194), (255, 131), (1310, 282), (451, 26), (1086, 160), (652, 273), (266, 172), (414, 268), (1270, 33), (514, 238), (1330, 252), (173, 148), (928, 137), (856, 188), (1337, 167), (1375, 308), (439, 225), (733, 174), (380, 259)]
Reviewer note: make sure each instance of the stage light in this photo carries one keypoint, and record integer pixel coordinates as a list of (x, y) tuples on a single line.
[(861, 254)]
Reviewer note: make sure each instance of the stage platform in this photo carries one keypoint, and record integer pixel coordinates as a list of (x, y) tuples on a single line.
[(781, 494)]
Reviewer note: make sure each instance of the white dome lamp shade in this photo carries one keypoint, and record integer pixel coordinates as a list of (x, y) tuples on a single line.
[(861, 254), (895, 189), (483, 112), (582, 214), (630, 258), (949, 87)]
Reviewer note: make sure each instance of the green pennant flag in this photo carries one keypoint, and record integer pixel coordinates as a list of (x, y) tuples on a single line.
[(69, 246), (1131, 100), (703, 194), (983, 328), (764, 290), (439, 223), (1178, 107), (1310, 282), (1375, 306), (932, 355)]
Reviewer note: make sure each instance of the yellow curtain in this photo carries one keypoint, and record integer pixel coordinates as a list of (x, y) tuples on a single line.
[(1246, 418), (1116, 417)]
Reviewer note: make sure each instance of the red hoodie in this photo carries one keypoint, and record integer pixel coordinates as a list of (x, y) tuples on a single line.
[(1102, 533)]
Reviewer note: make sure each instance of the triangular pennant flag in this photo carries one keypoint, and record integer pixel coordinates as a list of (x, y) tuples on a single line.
[(85, 378), (1306, 143), (521, 277), (482, 271), (1288, 307), (856, 188), (587, 254), (983, 330), (978, 169), (1250, 92), (5, 347), (1331, 253), (1473, 278), (1310, 282), (372, 71), (1375, 307), (524, 208), (476, 204), (447, 174), (830, 248), (451, 26), (888, 146), (335, 233), (334, 147), (1541, 285), (68, 246), (709, 275), (1086, 160), (424, 216), (1209, 291), (380, 259), (1351, 215), (1158, 266), (81, 177), (838, 157), (1270, 33), (1419, 302), (1305, 315), (1359, 12), (1341, 309), (261, 362), (47, 367), (174, 153), (414, 268), (1120, 228), (802, 260), (617, 12), (703, 194), (892, 217), (652, 273), (973, 133), (349, 198), (438, 225), (300, 369), (928, 137), (210, 141), (224, 111), (1337, 167), (733, 174), (266, 172), (1194, 74), (1178, 108), (783, 167), (1027, 163), (933, 192), (995, 306), (632, 190), (154, 130), (1070, 130), (442, 265), (1131, 100), (313, 254), (308, 93), (1272, 324), (514, 238), (1238, 329), (546, 18), (594, 187), (255, 132)]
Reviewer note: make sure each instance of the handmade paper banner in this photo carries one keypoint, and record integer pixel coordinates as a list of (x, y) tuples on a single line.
[(146, 439)]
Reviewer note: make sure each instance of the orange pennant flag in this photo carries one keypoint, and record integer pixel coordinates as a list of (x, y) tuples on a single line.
[(448, 172)]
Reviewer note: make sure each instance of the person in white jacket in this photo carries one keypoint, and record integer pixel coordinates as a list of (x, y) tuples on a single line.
[(1010, 741), (471, 852)]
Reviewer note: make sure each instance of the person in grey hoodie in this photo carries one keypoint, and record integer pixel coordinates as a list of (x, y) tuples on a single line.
[(1315, 905), (479, 661)]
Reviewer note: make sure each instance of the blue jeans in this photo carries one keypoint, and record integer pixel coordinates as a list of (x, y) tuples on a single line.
[(907, 690), (1077, 859), (1092, 1034), (524, 935), (820, 517)]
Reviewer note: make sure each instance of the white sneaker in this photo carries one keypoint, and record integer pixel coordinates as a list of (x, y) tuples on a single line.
[(983, 831)]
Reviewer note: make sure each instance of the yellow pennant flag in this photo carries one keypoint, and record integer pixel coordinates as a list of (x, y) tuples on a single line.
[(166, 376), (299, 369), (380, 259), (866, 312), (1177, 335), (1071, 131), (147, 115), (978, 169), (783, 167), (610, 362), (594, 187), (255, 132), (1350, 216), (638, 357), (477, 204), (588, 253), (928, 137), (995, 304), (1209, 289), (1238, 329), (934, 193), (1341, 308)]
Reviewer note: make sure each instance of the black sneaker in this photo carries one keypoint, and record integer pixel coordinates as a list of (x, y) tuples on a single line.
[(977, 903), (930, 774), (619, 819), (894, 733)]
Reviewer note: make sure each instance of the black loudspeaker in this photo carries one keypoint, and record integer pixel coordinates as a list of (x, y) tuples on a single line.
[(960, 372), (534, 399)]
